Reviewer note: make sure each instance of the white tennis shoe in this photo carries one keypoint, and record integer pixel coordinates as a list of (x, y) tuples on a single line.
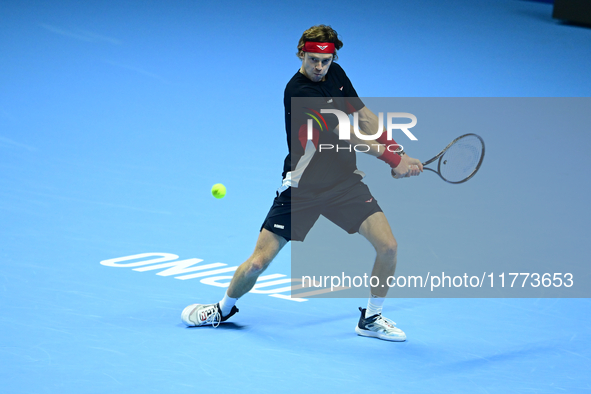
[(378, 326), (201, 314)]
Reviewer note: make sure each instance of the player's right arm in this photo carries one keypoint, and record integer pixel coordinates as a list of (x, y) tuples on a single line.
[(403, 165)]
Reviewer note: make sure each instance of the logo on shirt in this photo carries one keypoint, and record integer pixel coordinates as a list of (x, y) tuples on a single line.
[(341, 88), (281, 226)]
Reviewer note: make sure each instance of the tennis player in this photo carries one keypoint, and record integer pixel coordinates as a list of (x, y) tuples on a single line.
[(324, 183)]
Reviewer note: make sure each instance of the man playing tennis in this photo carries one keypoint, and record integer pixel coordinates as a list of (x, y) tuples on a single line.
[(322, 183)]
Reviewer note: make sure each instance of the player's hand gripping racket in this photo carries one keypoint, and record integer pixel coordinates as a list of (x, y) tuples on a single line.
[(460, 160)]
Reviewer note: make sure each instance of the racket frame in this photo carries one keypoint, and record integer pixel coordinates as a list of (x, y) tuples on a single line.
[(440, 155)]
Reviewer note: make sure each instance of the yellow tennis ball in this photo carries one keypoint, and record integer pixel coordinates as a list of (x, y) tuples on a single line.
[(218, 190)]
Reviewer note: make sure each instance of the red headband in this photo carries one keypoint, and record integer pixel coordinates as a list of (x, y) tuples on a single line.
[(318, 47)]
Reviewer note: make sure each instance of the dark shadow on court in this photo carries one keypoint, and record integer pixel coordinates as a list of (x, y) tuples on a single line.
[(222, 326)]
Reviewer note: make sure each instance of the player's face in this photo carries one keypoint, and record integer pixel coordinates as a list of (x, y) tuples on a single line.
[(316, 65)]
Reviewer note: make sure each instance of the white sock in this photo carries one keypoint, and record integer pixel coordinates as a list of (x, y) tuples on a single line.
[(374, 305), (226, 304)]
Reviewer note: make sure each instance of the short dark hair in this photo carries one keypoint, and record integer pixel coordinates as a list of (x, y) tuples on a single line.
[(320, 33)]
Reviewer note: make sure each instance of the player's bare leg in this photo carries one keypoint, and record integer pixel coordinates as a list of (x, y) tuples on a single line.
[(371, 323), (377, 231), (267, 247)]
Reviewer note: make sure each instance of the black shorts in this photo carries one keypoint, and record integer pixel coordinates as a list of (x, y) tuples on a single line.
[(348, 208)]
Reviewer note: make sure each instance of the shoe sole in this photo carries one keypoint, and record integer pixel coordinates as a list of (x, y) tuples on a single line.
[(372, 334)]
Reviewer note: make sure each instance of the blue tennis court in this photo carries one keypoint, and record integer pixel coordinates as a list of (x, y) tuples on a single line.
[(117, 118)]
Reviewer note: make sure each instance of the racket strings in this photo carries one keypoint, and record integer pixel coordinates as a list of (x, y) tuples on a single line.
[(461, 159)]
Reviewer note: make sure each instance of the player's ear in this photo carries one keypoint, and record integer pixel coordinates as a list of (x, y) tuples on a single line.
[(301, 54)]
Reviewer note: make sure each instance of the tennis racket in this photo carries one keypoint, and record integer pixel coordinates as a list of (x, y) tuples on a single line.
[(460, 160)]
